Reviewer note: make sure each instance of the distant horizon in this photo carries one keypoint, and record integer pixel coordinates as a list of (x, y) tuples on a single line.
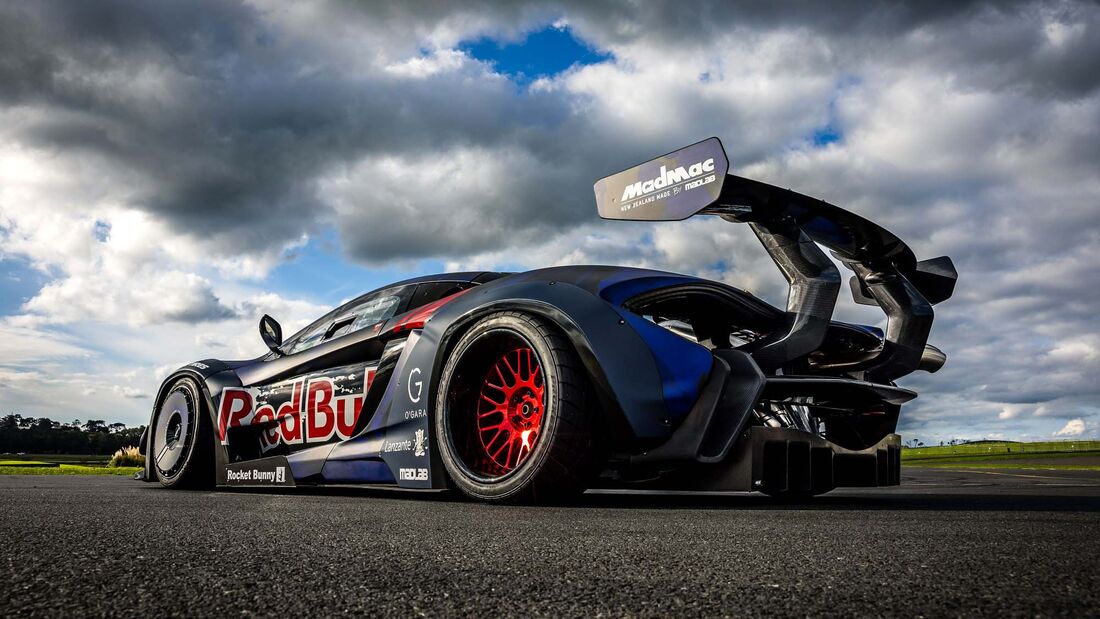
[(905, 437)]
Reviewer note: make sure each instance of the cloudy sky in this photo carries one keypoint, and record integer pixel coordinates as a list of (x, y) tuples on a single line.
[(171, 171)]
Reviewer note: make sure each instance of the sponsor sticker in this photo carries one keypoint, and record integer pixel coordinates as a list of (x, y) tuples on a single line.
[(671, 187), (415, 386), (405, 444), (305, 410), (392, 446), (412, 474), (416, 413), (420, 443), (273, 471)]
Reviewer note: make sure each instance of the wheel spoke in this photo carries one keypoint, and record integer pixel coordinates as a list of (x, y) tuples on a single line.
[(163, 451), (514, 372), (492, 401), (509, 412), (500, 449)]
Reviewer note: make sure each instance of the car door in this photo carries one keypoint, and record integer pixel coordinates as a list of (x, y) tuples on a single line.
[(315, 401)]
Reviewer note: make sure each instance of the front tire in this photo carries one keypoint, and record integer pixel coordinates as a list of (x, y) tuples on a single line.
[(182, 450), (512, 419)]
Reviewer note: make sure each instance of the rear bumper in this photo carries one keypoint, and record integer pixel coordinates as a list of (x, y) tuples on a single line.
[(717, 447), (783, 460), (788, 461)]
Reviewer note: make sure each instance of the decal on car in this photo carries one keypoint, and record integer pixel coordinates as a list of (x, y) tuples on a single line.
[(416, 386), (313, 409), (671, 187), (273, 471), (412, 474), (420, 443), (403, 417)]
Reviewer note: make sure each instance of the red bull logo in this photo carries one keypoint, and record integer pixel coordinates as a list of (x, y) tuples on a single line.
[(312, 414)]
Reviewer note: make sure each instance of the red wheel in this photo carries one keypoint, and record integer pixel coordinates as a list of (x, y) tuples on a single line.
[(510, 407), (512, 418)]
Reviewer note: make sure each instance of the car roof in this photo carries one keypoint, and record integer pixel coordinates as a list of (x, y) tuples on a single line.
[(478, 277)]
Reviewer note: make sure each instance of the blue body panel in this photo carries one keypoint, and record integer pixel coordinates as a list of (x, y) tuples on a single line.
[(357, 471)]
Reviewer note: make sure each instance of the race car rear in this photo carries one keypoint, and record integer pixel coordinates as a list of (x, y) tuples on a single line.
[(797, 403)]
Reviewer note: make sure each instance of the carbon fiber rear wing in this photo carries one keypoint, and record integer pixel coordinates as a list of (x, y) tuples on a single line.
[(694, 181)]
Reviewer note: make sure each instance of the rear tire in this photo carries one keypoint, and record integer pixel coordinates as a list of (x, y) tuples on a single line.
[(512, 420), (182, 449)]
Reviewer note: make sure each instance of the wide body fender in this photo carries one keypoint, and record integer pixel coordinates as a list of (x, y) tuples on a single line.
[(212, 376), (616, 347)]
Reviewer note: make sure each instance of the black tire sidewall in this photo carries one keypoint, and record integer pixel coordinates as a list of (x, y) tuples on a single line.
[(522, 478), (190, 474)]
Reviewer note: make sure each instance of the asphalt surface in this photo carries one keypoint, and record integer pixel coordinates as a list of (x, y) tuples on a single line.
[(945, 543)]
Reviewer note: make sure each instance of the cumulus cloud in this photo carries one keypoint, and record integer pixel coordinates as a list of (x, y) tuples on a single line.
[(1073, 427), (157, 162), (25, 344), (130, 392)]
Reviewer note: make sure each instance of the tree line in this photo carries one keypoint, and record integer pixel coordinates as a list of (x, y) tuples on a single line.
[(41, 435)]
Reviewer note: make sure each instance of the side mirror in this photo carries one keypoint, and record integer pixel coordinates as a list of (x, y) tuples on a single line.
[(271, 333)]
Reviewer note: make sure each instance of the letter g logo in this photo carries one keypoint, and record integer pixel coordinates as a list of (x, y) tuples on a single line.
[(419, 385)]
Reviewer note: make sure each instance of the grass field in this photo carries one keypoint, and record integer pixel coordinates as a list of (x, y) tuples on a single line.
[(60, 464), (27, 463), (68, 469), (59, 458), (1065, 455), (1055, 455)]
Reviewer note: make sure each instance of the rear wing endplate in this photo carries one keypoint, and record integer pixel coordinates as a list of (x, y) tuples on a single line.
[(669, 188)]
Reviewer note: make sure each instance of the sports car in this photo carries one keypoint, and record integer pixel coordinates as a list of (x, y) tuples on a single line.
[(534, 386)]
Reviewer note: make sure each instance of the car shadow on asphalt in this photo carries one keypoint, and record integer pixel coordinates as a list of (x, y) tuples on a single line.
[(976, 499), (894, 501)]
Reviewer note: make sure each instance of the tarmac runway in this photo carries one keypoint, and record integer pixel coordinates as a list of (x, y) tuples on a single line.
[(946, 542)]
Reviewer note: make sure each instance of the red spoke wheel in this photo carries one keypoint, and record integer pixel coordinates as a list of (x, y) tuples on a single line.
[(512, 419), (510, 408)]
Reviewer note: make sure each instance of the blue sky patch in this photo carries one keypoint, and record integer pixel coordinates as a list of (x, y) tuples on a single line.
[(102, 231), (825, 135), (18, 283), (320, 273), (830, 132), (541, 53)]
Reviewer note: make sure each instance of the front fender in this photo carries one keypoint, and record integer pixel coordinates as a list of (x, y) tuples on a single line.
[(212, 376)]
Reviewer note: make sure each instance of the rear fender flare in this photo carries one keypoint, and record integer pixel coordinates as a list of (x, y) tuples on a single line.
[(629, 395)]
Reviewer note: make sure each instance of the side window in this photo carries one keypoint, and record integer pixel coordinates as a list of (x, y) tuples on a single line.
[(374, 310), (309, 339), (358, 314), (434, 291)]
